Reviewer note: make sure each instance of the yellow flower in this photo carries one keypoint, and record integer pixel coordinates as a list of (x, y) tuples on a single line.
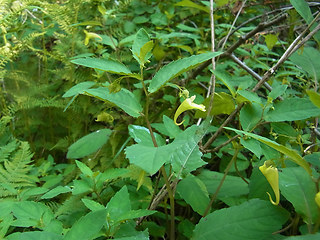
[(187, 105), (90, 35), (317, 199), (272, 175)]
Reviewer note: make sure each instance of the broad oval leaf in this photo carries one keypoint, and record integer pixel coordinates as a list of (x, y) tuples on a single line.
[(103, 64), (292, 109), (124, 99), (298, 188), (87, 226), (88, 144), (178, 67), (252, 220)]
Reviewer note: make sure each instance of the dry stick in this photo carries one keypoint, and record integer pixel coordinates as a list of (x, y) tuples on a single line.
[(241, 40), (266, 76), (234, 22), (213, 77)]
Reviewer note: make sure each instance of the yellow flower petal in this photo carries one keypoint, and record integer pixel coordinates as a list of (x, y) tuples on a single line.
[(272, 175), (90, 35), (187, 105), (317, 199)]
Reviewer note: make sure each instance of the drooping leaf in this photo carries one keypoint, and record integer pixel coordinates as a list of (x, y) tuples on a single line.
[(292, 109), (87, 226), (178, 67), (103, 64), (252, 220), (89, 144), (298, 188), (124, 99), (292, 154), (194, 192)]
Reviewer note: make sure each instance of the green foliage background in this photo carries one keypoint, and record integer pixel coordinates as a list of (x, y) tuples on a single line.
[(88, 145)]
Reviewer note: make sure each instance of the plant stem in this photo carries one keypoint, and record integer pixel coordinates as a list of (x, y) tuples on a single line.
[(221, 182), (163, 171)]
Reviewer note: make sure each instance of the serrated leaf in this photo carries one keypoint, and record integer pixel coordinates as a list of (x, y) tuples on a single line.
[(124, 99), (92, 205), (103, 65), (88, 144), (298, 188), (140, 41), (148, 158), (178, 67), (292, 154), (292, 109), (119, 204), (271, 40), (252, 220), (87, 226), (84, 168)]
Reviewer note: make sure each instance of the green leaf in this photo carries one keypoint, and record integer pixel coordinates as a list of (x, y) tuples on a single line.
[(250, 96), (190, 4), (84, 169), (124, 99), (139, 236), (119, 204), (303, 9), (34, 235), (135, 214), (55, 192), (89, 144), (178, 67), (103, 65), (79, 88), (222, 104), (82, 186), (232, 186), (92, 205), (314, 97), (142, 135), (292, 109), (250, 116), (298, 188), (141, 38), (194, 192), (87, 227), (149, 158), (252, 145), (292, 154), (304, 237), (172, 129), (226, 79), (108, 40), (308, 61), (271, 40), (252, 220), (183, 152)]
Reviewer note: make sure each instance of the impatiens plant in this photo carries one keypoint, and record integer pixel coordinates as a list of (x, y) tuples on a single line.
[(159, 120)]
